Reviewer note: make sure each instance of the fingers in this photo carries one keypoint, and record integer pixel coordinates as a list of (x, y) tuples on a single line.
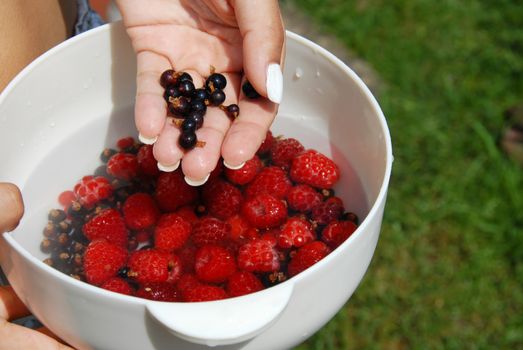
[(11, 307), (263, 42), (11, 207), (248, 130), (18, 337), (150, 108)]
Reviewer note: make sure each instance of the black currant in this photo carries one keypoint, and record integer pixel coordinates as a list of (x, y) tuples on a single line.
[(185, 88), (217, 97), (249, 90), (233, 111), (184, 77), (197, 116), (187, 140), (200, 94), (179, 106), (198, 105), (171, 91), (188, 125), (216, 81), (168, 78)]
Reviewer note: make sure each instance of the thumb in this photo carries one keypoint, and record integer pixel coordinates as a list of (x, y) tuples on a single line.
[(263, 35), (11, 207)]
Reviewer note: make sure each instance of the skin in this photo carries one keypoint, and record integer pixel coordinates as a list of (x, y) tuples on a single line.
[(191, 36)]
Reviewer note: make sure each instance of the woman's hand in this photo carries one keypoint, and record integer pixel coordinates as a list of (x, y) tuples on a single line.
[(241, 39)]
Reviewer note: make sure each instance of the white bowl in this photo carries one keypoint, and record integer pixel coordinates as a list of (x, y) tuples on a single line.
[(62, 110)]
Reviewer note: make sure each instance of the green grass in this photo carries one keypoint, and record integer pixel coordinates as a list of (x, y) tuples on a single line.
[(448, 270)]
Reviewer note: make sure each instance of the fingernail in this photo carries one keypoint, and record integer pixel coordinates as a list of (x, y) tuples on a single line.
[(274, 82), (147, 140), (233, 167), (168, 168), (197, 182)]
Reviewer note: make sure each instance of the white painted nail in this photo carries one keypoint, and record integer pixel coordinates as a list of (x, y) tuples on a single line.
[(197, 182), (233, 167), (147, 140), (168, 168), (274, 82)]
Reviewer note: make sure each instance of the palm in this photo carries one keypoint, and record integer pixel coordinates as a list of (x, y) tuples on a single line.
[(192, 37)]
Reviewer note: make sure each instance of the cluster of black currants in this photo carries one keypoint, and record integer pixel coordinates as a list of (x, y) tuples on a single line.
[(189, 104)]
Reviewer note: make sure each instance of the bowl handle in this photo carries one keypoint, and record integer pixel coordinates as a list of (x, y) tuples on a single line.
[(223, 322)]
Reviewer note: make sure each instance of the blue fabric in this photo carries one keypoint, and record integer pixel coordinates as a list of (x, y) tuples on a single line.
[(86, 18)]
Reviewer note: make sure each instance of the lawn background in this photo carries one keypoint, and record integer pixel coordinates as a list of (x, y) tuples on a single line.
[(448, 269)]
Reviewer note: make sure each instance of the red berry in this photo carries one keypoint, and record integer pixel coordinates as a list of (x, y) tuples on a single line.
[(271, 180), (109, 225), (66, 198), (158, 291), (315, 169), (209, 230), (91, 190), (266, 144), (284, 151), (173, 192), (239, 227), (204, 292), (172, 232), (303, 198), (187, 255), (140, 211), (214, 264), (118, 285), (327, 211), (147, 164), (124, 143), (143, 236), (245, 174), (264, 211), (258, 256), (123, 166), (186, 283), (102, 260), (149, 265), (187, 212), (296, 232), (243, 282), (221, 199), (337, 232), (307, 256)]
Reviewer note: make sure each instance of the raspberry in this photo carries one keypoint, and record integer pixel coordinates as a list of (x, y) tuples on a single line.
[(303, 198), (187, 212), (187, 255), (327, 211), (209, 230), (264, 211), (91, 190), (140, 211), (258, 256), (239, 227), (315, 169), (158, 291), (266, 144), (204, 292), (150, 265), (173, 192), (245, 174), (172, 232), (186, 283), (109, 225), (284, 151), (125, 142), (221, 199), (123, 166), (295, 233), (66, 198), (307, 256), (143, 236), (102, 260), (147, 164), (118, 285), (214, 264), (337, 232), (271, 180), (243, 282)]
